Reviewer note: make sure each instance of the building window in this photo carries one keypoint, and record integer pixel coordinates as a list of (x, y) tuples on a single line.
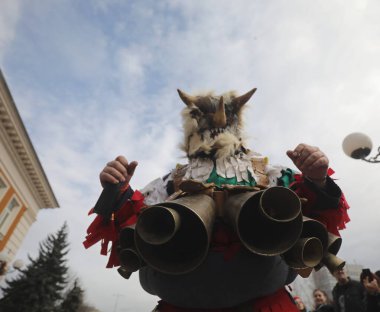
[(3, 187), (7, 215)]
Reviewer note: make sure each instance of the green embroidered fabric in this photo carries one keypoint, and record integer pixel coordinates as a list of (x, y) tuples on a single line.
[(287, 177), (285, 180), (219, 181)]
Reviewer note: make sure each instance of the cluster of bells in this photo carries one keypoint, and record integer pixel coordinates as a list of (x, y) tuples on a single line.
[(173, 237)]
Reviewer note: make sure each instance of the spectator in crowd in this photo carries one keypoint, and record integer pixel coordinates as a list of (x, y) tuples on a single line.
[(300, 305), (372, 287), (348, 295), (322, 302)]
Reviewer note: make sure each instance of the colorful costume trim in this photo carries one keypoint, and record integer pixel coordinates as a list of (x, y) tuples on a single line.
[(329, 207), (107, 230)]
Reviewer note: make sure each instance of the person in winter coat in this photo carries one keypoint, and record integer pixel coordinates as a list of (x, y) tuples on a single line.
[(348, 295), (372, 287)]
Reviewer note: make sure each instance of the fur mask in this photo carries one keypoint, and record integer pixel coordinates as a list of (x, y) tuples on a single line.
[(213, 124)]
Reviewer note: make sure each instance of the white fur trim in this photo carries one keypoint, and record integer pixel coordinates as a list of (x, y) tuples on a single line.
[(155, 192), (274, 172)]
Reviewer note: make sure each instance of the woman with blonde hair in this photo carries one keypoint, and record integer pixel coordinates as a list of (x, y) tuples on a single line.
[(322, 301)]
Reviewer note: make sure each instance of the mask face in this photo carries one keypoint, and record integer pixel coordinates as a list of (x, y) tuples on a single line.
[(212, 124)]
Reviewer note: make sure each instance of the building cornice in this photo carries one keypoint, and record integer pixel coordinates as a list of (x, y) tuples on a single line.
[(21, 148)]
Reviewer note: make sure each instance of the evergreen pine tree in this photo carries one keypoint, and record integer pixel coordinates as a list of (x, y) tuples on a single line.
[(39, 286), (73, 299)]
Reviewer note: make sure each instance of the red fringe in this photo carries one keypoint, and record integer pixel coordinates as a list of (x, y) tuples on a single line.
[(108, 231), (335, 219)]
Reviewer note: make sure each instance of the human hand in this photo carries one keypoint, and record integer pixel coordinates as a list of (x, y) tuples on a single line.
[(311, 161), (118, 170), (371, 286)]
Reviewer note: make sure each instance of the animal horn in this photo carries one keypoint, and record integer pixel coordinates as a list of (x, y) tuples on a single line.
[(239, 101), (187, 99), (220, 115)]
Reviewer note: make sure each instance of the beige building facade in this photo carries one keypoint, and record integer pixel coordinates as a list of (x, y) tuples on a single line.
[(24, 187)]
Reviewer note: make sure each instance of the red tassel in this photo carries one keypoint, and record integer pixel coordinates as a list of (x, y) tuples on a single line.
[(107, 231), (104, 247), (98, 221), (92, 240), (113, 260)]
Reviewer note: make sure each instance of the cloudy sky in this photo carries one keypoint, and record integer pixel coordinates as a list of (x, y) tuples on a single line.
[(96, 79)]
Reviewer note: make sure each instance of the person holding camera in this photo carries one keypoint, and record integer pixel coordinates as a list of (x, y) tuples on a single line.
[(371, 283)]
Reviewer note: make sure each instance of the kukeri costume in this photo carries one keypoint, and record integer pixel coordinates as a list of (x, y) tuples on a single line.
[(225, 232)]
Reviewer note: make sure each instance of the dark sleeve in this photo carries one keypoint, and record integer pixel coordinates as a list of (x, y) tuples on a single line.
[(373, 303), (327, 204), (365, 297), (335, 300), (327, 197), (324, 198), (292, 274), (112, 198)]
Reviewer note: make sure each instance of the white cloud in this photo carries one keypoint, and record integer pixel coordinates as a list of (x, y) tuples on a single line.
[(9, 15), (315, 64)]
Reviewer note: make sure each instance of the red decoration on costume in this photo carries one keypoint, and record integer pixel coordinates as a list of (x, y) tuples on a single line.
[(225, 240), (280, 301), (108, 230), (334, 219)]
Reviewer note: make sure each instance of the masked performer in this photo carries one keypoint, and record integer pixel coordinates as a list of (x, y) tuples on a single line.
[(196, 244)]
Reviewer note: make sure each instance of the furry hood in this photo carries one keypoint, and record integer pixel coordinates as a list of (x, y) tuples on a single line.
[(212, 124)]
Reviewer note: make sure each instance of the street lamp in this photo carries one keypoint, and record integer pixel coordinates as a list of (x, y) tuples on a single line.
[(16, 265), (358, 146)]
